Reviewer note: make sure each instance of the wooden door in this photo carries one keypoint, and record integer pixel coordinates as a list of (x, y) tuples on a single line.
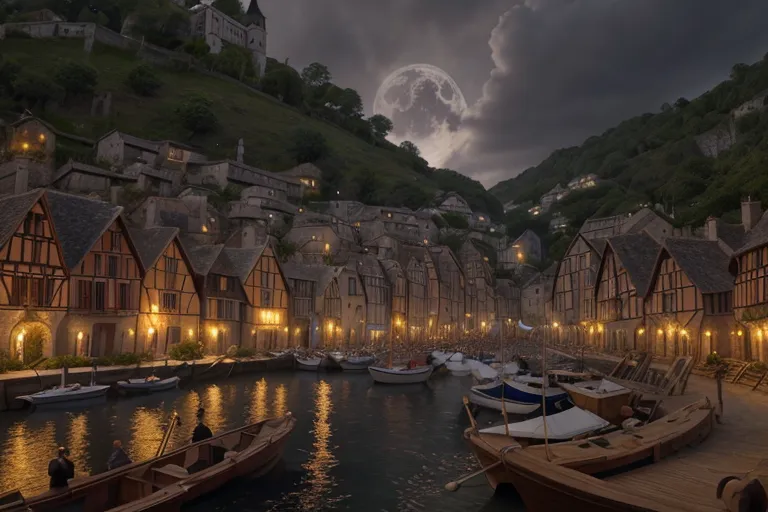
[(103, 340)]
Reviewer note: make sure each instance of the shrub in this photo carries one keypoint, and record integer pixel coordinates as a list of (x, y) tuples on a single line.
[(69, 361), (36, 90), (308, 146), (187, 351), (196, 115), (143, 80), (8, 363), (235, 351), (197, 47), (76, 78), (714, 359)]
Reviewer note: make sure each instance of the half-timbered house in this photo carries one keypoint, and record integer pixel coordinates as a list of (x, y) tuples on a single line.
[(376, 292), (689, 302), (451, 277), (105, 276), (573, 297), (34, 293), (623, 278), (398, 283), (480, 301), (316, 305), (169, 307), (417, 293)]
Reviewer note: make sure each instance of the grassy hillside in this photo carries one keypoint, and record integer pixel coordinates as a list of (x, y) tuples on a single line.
[(267, 126), (653, 158)]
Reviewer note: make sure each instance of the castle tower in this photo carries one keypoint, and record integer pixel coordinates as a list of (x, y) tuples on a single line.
[(256, 24)]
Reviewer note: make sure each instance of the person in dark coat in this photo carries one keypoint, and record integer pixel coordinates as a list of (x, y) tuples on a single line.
[(61, 469), (201, 431), (119, 457)]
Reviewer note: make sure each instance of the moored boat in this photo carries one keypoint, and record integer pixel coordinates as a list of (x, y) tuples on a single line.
[(401, 375), (165, 483), (518, 397), (311, 364), (601, 397), (151, 384), (68, 393), (561, 426), (459, 368), (356, 363)]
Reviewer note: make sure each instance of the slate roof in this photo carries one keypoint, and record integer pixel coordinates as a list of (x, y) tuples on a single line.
[(53, 129), (598, 244), (757, 236), (201, 257), (150, 243), (79, 223), (73, 166), (322, 275), (638, 253), (304, 170), (705, 264), (13, 209), (236, 262), (732, 235)]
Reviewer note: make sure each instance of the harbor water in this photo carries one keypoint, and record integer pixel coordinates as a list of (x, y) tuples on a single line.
[(357, 446)]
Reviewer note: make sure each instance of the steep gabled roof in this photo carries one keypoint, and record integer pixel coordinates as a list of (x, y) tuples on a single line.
[(705, 264), (321, 275), (201, 257), (80, 222), (732, 235), (756, 237), (13, 210), (637, 253), (150, 243), (237, 262)]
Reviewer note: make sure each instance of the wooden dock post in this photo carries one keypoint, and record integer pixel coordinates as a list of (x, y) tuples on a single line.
[(719, 374)]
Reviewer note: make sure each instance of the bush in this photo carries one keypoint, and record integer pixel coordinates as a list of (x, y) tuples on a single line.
[(235, 351), (128, 359), (196, 115), (36, 90), (9, 71), (76, 78), (9, 364), (197, 47), (456, 220), (69, 361), (714, 359), (143, 80), (187, 351), (308, 146)]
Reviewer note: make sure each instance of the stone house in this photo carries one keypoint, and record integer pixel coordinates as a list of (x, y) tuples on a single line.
[(689, 306), (535, 294), (121, 149), (105, 276), (525, 248), (582, 182), (169, 307), (309, 175), (376, 292), (553, 196), (317, 304), (320, 237), (398, 283), (508, 296), (644, 219), (191, 214), (622, 282), (35, 292), (422, 292), (353, 307), (223, 172), (450, 318), (80, 178), (479, 301), (454, 203)]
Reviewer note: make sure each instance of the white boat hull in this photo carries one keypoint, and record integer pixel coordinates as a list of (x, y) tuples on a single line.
[(311, 365), (59, 396), (400, 376), (143, 386), (492, 403)]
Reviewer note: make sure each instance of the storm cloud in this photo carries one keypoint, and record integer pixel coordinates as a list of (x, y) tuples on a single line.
[(538, 74)]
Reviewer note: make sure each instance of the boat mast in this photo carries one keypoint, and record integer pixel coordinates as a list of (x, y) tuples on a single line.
[(503, 381), (544, 382)]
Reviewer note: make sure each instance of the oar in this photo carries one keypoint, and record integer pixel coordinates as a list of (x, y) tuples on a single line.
[(454, 486), (472, 421)]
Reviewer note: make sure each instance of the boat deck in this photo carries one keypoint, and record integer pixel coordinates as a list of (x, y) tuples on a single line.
[(736, 447)]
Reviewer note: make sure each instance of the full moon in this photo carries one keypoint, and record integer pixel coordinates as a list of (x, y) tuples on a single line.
[(425, 105)]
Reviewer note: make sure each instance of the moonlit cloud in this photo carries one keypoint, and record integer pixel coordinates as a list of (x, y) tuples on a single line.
[(538, 74)]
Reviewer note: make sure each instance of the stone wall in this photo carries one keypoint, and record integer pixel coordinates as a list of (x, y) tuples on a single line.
[(46, 29)]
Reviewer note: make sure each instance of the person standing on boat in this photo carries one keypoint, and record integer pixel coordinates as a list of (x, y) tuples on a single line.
[(61, 469), (119, 457), (201, 431)]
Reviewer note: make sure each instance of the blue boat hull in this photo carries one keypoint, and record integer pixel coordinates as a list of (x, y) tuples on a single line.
[(520, 396)]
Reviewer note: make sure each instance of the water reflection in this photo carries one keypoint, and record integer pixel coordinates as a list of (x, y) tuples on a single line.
[(279, 405), (259, 410), (146, 433), (214, 408), (77, 442), (26, 451)]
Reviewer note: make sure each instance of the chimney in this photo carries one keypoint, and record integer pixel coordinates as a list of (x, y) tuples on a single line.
[(750, 213), (711, 228), (21, 183)]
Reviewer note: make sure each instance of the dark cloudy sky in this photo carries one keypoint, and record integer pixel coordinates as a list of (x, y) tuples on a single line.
[(538, 74)]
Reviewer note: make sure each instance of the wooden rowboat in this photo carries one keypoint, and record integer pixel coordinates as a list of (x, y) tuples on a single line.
[(166, 482), (649, 443)]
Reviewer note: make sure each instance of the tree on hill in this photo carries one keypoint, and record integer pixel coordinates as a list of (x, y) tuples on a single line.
[(410, 147), (346, 102), (76, 78), (308, 146), (9, 71), (36, 90), (143, 80), (381, 125), (231, 8), (196, 115), (316, 75), (284, 83)]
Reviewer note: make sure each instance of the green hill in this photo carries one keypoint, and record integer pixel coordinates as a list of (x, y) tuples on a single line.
[(655, 158), (381, 173)]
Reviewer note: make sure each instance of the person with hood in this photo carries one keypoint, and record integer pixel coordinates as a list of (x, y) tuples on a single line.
[(61, 469)]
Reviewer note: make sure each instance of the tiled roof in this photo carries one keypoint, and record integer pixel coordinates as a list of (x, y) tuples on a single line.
[(705, 264), (322, 275), (13, 209), (732, 235), (638, 253), (150, 243), (236, 262), (73, 166), (201, 257), (79, 223)]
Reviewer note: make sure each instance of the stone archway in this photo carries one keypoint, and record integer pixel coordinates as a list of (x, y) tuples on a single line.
[(30, 341)]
